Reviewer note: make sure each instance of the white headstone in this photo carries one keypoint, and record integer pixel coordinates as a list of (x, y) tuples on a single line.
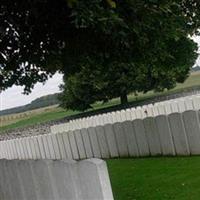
[(165, 135), (178, 134), (121, 139), (141, 138), (94, 142), (152, 136), (102, 142)]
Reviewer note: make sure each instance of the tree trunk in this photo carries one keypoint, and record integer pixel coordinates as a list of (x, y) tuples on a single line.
[(124, 98)]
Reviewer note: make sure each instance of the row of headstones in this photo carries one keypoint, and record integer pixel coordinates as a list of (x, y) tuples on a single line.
[(174, 134), (24, 114), (178, 95), (14, 116), (54, 180), (190, 98), (162, 108)]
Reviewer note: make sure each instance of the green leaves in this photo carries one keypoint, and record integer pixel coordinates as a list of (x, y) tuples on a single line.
[(71, 3), (111, 3), (104, 47)]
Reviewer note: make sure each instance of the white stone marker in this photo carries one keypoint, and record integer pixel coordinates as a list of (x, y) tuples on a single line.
[(14, 188), (86, 142), (25, 148), (73, 145), (189, 104), (178, 134), (32, 147), (94, 180), (4, 182), (110, 118), (196, 102), (165, 135), (21, 150), (155, 110), (41, 177), (112, 143), (23, 143), (54, 180), (25, 179), (6, 155), (149, 111), (128, 114), (41, 147), (114, 117), (161, 109), (14, 149), (141, 138), (51, 147), (123, 115), (139, 114), (9, 149), (61, 146), (181, 106), (192, 127), (131, 139), (133, 113), (118, 116), (104, 116), (64, 177), (121, 139), (5, 147), (152, 136), (94, 142), (17, 149), (46, 148), (174, 106), (168, 108), (67, 146), (55, 146), (37, 148), (1, 150), (80, 145), (102, 142)]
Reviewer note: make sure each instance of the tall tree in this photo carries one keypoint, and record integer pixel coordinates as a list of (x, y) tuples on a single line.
[(104, 48)]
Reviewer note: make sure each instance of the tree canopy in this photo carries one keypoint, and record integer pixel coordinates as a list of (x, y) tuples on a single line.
[(104, 48)]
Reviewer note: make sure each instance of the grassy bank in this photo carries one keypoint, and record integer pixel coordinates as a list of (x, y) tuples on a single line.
[(155, 178)]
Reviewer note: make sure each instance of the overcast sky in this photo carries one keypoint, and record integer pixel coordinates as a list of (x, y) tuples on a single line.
[(13, 97)]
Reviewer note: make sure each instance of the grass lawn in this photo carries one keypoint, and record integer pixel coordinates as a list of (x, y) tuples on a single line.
[(175, 178)]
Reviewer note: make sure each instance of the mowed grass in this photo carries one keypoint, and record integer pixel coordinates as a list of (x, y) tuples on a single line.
[(58, 113), (175, 178)]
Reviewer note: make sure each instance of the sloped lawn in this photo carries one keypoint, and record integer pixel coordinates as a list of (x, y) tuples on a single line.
[(155, 178)]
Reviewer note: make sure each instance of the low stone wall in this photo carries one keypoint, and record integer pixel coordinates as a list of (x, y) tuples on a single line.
[(54, 180), (26, 131)]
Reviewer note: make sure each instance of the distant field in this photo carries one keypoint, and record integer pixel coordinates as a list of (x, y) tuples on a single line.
[(13, 118), (54, 113)]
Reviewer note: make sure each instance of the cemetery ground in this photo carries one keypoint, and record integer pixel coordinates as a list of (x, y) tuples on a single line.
[(59, 113), (175, 178)]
